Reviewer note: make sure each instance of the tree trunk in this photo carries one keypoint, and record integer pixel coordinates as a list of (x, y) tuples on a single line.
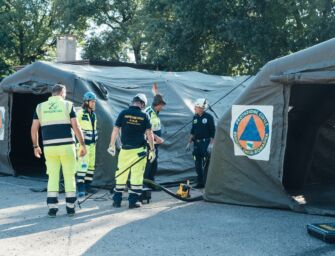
[(137, 53), (21, 46)]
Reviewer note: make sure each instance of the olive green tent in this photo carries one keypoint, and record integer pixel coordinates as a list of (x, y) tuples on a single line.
[(115, 87), (275, 147)]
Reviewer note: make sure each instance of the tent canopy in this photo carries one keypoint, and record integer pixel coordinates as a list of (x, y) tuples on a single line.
[(115, 87)]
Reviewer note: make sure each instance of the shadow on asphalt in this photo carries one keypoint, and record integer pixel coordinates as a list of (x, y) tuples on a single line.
[(44, 223), (215, 229)]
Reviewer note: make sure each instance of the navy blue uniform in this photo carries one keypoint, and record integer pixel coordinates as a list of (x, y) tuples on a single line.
[(203, 130), (151, 168), (134, 123)]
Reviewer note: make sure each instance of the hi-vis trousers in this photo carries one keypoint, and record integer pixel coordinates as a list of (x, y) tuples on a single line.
[(86, 164), (127, 157), (56, 157)]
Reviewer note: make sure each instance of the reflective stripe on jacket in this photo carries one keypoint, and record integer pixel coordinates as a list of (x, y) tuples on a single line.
[(89, 130), (154, 119), (54, 117)]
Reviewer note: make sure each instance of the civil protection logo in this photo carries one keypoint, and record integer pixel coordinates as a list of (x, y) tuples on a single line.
[(251, 131)]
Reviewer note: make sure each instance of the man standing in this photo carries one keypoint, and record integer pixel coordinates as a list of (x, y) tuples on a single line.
[(88, 122), (153, 112), (134, 124), (202, 135), (56, 117)]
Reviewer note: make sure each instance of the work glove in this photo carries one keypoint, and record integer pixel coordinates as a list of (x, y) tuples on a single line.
[(158, 140), (188, 147), (210, 148), (151, 156), (111, 150)]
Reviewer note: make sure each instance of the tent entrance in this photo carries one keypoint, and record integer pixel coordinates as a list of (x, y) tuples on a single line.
[(309, 165), (21, 155)]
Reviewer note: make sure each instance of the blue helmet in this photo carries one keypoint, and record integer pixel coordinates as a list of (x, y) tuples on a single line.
[(89, 96)]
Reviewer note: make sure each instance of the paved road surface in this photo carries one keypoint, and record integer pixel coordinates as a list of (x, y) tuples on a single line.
[(164, 227)]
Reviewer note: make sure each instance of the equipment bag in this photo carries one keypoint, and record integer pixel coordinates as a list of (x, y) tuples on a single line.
[(323, 231)]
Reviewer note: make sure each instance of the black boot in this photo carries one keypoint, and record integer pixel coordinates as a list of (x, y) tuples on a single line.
[(88, 188), (52, 212), (70, 211), (116, 204), (135, 205), (80, 189), (117, 198)]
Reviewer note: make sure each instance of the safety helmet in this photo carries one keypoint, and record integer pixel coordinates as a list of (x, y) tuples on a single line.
[(141, 97), (201, 103), (89, 96)]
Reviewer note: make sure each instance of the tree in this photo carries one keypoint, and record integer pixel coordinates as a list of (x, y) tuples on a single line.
[(105, 46), (29, 28), (214, 36), (124, 31), (233, 37)]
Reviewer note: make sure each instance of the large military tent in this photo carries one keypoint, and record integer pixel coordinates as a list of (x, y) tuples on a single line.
[(275, 147), (115, 87)]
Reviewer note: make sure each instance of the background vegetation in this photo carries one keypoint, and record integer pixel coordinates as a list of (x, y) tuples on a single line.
[(213, 36)]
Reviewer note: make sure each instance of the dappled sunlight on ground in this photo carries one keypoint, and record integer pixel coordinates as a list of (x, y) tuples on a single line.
[(166, 226)]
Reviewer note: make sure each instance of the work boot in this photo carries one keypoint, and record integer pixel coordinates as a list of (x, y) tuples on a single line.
[(117, 198), (52, 212), (81, 194), (135, 205), (89, 189), (70, 211), (116, 204), (81, 189)]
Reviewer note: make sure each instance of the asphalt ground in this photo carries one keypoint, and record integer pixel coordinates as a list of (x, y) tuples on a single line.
[(166, 226)]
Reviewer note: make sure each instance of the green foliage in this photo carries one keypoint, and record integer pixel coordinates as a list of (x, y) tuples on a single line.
[(5, 69), (107, 46), (233, 37), (29, 29), (214, 36), (124, 33)]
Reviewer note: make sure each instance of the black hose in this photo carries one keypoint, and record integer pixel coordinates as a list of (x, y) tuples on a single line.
[(88, 197)]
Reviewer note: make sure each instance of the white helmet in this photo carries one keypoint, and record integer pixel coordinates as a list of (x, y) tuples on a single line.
[(201, 103), (142, 97)]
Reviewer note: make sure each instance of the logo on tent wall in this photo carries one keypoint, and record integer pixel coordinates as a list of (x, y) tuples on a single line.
[(251, 131)]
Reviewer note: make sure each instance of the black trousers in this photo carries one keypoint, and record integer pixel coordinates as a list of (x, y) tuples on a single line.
[(201, 158), (151, 168)]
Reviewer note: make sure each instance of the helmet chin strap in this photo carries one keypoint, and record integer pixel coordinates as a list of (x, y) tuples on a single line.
[(204, 105), (87, 105)]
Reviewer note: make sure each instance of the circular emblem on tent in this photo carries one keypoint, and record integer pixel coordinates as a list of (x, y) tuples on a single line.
[(251, 131), (204, 121)]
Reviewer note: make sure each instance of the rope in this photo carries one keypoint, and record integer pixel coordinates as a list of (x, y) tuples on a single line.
[(210, 106)]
